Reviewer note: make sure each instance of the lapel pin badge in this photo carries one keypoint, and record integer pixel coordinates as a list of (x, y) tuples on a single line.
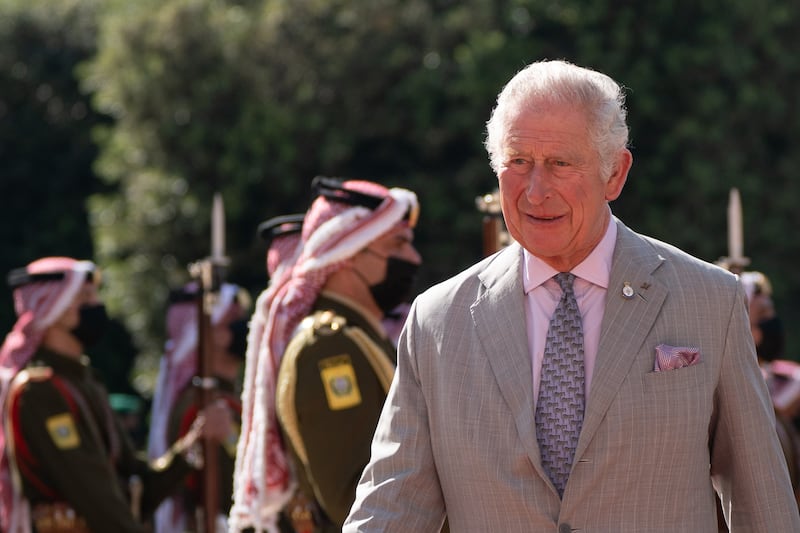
[(627, 290)]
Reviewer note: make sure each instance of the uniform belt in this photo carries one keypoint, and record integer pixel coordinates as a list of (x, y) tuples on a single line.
[(57, 518)]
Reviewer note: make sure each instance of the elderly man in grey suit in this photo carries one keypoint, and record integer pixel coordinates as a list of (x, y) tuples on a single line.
[(585, 379)]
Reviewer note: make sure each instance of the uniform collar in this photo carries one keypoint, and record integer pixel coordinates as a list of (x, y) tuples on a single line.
[(62, 364)]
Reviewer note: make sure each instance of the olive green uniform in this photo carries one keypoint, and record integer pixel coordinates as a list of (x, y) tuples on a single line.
[(183, 413), (70, 449), (332, 384)]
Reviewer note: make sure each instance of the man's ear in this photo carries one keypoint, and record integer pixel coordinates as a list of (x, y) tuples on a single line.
[(619, 174)]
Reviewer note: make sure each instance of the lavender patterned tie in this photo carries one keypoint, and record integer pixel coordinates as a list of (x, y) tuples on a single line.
[(559, 409)]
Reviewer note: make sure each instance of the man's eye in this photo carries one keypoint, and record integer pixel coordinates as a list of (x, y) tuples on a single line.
[(559, 163), (517, 162)]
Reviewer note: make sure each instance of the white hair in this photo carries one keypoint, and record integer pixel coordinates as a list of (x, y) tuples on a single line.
[(558, 82)]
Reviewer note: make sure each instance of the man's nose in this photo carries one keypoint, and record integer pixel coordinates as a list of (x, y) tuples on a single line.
[(539, 184), (413, 255)]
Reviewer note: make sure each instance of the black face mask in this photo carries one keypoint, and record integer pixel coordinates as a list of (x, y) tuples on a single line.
[(238, 345), (92, 325), (396, 286)]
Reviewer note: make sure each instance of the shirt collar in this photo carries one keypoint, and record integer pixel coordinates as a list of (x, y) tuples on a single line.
[(596, 268)]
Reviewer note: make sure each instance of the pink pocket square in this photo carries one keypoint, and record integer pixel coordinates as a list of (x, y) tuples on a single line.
[(672, 357)]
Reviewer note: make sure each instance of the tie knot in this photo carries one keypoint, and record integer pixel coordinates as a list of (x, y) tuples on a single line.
[(565, 280)]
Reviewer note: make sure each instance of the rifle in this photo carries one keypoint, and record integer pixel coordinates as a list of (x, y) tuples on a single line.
[(495, 235), (209, 273)]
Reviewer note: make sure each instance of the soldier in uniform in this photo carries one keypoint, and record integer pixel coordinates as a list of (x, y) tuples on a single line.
[(67, 463), (176, 402), (327, 360)]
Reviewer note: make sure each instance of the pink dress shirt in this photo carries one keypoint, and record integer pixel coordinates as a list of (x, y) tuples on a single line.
[(542, 294)]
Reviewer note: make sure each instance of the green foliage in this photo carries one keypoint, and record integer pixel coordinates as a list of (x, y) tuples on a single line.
[(255, 98), (45, 145)]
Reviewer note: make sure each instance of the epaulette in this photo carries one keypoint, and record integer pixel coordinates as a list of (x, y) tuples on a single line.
[(325, 323), (23, 377), (32, 373)]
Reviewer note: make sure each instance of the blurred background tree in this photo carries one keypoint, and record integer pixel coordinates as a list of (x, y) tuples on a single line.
[(255, 97)]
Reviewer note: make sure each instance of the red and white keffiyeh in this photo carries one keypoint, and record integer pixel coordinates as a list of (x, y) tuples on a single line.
[(333, 232), (38, 304)]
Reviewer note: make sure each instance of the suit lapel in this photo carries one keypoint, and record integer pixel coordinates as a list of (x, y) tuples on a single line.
[(499, 317), (626, 323)]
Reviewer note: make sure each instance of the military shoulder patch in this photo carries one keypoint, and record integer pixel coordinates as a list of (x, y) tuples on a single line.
[(63, 431), (339, 378)]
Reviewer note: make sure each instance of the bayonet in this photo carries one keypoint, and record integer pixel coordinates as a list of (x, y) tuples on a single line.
[(736, 260)]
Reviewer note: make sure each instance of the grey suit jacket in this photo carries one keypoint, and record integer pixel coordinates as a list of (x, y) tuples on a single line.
[(457, 433)]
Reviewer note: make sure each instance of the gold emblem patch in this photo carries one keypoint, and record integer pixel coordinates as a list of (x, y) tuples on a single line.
[(341, 386), (63, 432)]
